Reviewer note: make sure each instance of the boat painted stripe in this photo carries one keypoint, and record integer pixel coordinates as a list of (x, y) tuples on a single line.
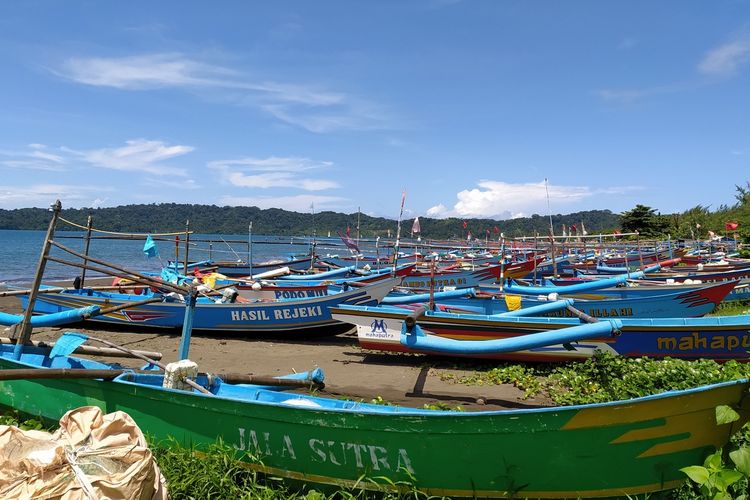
[(360, 484)]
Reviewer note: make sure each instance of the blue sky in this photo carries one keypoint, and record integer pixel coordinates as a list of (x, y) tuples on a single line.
[(466, 105)]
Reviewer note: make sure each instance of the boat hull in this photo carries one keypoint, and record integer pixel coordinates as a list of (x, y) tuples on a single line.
[(307, 315), (719, 338), (603, 450), (668, 304)]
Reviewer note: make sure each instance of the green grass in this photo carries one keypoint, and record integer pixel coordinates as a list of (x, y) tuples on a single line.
[(732, 308)]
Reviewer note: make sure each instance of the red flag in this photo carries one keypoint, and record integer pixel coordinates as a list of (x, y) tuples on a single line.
[(574, 228), (466, 224), (348, 231), (496, 230), (731, 226)]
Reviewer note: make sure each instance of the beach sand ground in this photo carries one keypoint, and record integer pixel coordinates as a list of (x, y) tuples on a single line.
[(351, 372)]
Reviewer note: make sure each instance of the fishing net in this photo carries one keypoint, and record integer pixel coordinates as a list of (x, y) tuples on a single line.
[(90, 456)]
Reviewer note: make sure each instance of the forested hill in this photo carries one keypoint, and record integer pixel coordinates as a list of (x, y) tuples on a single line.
[(274, 221)]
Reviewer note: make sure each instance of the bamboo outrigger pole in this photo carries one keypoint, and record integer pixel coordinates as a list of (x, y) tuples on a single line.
[(24, 328), (89, 222), (187, 244)]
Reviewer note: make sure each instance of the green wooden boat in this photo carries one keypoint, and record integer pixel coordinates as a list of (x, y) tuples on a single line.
[(600, 450)]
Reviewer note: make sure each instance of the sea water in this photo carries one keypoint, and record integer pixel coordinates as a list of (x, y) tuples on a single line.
[(20, 251)]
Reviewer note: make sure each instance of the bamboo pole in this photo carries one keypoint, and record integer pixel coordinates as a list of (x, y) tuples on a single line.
[(147, 282), (129, 274), (640, 254), (187, 245), (187, 324), (107, 374), (154, 362), (12, 293), (89, 350), (89, 222), (24, 329)]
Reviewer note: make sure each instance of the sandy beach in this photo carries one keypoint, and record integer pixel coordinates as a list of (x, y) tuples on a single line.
[(351, 372)]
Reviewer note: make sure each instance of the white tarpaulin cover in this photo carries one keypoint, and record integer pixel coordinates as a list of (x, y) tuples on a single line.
[(91, 455)]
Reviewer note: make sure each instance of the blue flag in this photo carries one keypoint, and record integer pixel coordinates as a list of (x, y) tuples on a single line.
[(149, 248)]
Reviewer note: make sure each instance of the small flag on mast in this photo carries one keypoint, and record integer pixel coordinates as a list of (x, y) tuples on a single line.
[(150, 248), (415, 228), (350, 243)]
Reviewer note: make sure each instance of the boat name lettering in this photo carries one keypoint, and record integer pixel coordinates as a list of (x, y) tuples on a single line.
[(438, 283), (298, 294), (596, 313), (278, 314), (340, 453), (696, 341)]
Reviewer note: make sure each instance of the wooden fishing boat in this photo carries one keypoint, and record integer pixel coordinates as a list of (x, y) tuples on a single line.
[(463, 278), (240, 268), (696, 301), (598, 450), (382, 328), (309, 315)]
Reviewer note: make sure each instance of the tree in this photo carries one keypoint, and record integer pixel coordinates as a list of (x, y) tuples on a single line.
[(642, 219), (743, 194)]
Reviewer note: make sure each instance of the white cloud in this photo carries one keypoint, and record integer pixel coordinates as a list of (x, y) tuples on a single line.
[(507, 200), (437, 211), (299, 203), (37, 157), (43, 195), (724, 60), (274, 172), (138, 155), (304, 106)]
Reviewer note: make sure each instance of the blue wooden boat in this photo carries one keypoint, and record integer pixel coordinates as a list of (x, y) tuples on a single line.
[(721, 338), (239, 268), (293, 316), (668, 303)]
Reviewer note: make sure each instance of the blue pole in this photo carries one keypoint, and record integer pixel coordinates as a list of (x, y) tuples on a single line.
[(187, 324)]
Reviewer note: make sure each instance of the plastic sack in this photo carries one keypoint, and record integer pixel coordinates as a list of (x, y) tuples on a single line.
[(91, 456)]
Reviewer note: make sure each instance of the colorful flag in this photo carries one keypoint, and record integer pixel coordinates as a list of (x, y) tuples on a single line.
[(573, 229), (496, 230), (583, 229), (350, 243), (415, 228), (466, 224), (731, 225), (348, 231), (149, 248)]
